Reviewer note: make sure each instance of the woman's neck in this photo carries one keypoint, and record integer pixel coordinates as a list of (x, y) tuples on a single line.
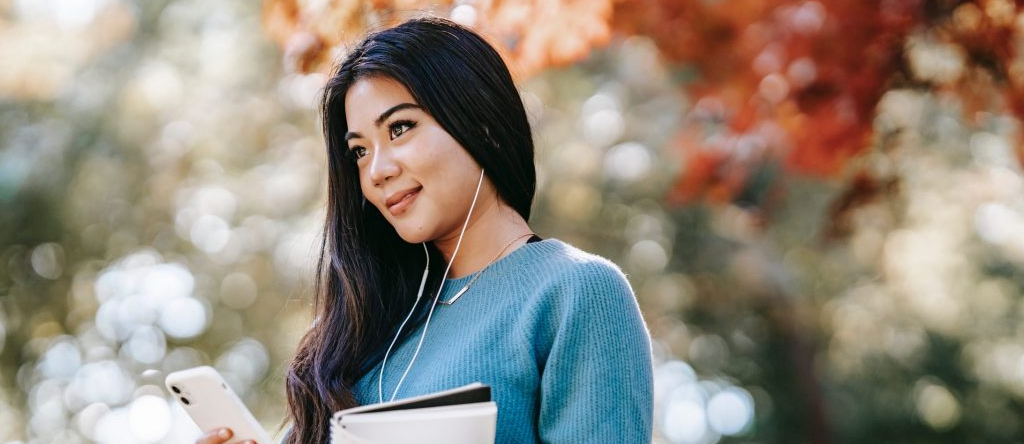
[(496, 226)]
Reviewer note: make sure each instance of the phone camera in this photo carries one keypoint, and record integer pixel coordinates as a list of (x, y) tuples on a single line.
[(185, 401), (175, 389)]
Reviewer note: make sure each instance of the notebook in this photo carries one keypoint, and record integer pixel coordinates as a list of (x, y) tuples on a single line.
[(463, 415)]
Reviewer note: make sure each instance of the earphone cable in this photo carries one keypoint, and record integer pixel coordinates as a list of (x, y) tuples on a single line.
[(434, 305), (419, 293)]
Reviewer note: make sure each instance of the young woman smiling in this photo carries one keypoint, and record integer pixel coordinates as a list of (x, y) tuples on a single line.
[(430, 275)]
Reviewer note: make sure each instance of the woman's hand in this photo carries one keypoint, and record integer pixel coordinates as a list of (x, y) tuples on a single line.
[(219, 436)]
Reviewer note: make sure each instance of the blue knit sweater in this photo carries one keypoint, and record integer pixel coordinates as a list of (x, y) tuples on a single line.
[(557, 334)]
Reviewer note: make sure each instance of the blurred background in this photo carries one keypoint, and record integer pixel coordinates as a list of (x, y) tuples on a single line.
[(818, 203)]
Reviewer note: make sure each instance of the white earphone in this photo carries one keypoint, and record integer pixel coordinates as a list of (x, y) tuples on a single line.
[(423, 282)]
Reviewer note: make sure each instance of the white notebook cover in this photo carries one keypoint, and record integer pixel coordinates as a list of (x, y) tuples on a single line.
[(473, 423)]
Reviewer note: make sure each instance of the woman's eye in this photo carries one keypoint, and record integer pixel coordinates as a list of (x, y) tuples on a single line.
[(400, 127), (357, 152)]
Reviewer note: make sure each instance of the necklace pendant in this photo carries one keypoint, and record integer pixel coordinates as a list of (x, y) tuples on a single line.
[(456, 297)]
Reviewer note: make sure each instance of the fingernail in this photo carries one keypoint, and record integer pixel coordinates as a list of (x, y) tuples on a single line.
[(224, 433)]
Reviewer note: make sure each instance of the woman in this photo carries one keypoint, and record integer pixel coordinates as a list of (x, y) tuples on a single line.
[(430, 276)]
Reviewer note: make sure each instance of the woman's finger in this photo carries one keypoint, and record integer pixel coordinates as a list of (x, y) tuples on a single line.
[(217, 436)]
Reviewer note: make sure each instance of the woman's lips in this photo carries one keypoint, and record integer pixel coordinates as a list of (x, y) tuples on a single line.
[(401, 206)]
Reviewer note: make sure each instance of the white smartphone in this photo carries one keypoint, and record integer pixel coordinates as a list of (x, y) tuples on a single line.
[(213, 405)]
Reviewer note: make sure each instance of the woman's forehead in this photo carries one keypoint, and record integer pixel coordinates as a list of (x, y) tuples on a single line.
[(369, 96)]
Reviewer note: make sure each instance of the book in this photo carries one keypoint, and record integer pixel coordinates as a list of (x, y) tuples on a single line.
[(463, 415)]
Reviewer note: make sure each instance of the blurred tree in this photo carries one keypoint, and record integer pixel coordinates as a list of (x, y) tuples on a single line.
[(132, 244), (855, 93), (791, 80), (856, 277)]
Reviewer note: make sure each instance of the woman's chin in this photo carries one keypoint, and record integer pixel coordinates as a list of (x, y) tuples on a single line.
[(413, 236)]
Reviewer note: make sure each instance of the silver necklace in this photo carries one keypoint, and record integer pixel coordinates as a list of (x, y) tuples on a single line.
[(478, 273)]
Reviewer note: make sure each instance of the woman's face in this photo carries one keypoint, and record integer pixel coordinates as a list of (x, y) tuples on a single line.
[(410, 168)]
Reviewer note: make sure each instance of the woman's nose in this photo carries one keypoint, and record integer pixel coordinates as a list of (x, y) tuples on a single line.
[(383, 167)]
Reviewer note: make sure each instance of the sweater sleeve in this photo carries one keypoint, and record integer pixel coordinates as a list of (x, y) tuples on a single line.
[(597, 381)]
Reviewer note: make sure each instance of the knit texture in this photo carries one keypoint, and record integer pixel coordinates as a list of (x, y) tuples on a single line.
[(557, 334)]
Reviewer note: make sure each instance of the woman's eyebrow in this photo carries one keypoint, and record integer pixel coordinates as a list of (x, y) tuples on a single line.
[(394, 109), (383, 116)]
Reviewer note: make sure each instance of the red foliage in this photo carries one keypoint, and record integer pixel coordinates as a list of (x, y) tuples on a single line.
[(814, 69), (789, 81)]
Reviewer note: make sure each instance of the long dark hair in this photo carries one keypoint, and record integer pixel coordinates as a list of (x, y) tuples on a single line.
[(367, 276)]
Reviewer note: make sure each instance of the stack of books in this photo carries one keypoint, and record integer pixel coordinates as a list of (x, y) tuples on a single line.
[(464, 415)]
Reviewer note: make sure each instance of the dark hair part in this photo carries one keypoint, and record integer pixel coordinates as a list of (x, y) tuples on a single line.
[(367, 276)]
